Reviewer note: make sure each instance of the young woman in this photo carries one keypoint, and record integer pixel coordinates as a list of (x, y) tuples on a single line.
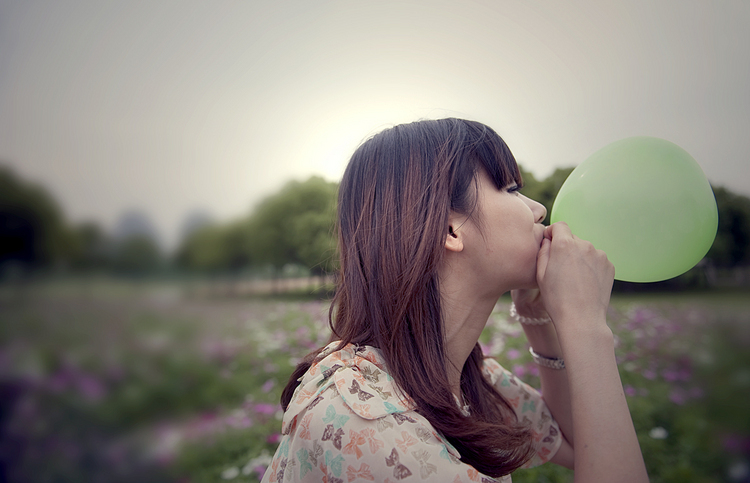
[(432, 231)]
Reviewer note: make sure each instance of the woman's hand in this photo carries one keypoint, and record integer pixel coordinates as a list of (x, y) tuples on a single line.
[(573, 276), (529, 303), (575, 282)]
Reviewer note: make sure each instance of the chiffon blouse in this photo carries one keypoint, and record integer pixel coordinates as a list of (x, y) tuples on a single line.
[(347, 421)]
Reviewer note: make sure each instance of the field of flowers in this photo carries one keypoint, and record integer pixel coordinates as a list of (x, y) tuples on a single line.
[(109, 381)]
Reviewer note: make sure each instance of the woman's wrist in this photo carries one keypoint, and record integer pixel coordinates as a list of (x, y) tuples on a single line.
[(586, 339), (528, 314), (543, 339), (556, 363)]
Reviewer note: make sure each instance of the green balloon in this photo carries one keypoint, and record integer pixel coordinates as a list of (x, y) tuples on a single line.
[(646, 203)]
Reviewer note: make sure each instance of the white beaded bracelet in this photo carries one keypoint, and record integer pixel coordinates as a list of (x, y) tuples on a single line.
[(527, 320), (551, 362)]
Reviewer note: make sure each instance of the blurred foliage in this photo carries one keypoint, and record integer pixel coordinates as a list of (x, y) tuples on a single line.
[(121, 381), (136, 255), (294, 227), (544, 191), (92, 249), (732, 244), (214, 248), (35, 236), (33, 232)]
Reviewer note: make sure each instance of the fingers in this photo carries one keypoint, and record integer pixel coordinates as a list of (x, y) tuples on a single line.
[(571, 273), (542, 259), (559, 229)]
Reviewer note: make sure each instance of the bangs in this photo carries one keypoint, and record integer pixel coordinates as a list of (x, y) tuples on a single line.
[(494, 156)]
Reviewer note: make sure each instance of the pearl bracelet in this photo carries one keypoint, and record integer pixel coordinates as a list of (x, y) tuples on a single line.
[(551, 362), (527, 320)]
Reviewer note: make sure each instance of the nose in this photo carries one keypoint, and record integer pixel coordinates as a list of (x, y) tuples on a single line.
[(538, 209)]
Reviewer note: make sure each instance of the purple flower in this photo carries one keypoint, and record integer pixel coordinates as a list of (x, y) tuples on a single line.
[(265, 408), (678, 396), (59, 381), (90, 387), (519, 370), (485, 348), (268, 385), (239, 422), (630, 390), (513, 354), (260, 470), (649, 374), (684, 374), (273, 438), (670, 375), (735, 443)]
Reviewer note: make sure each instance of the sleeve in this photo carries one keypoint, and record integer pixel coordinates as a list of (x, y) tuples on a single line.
[(530, 409), (334, 444)]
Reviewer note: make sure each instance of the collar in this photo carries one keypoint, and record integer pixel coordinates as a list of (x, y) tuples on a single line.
[(358, 374)]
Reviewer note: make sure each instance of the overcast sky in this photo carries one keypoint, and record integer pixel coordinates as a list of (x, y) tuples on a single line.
[(169, 107)]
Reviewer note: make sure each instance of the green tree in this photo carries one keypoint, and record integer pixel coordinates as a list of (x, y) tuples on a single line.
[(32, 227), (93, 249), (295, 226), (215, 248), (732, 244), (544, 191), (136, 255)]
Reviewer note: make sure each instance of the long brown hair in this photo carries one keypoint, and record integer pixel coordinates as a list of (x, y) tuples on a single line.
[(394, 201)]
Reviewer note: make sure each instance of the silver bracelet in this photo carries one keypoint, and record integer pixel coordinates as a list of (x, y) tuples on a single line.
[(551, 362), (527, 320)]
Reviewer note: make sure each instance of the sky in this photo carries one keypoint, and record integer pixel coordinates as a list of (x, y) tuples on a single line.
[(173, 107)]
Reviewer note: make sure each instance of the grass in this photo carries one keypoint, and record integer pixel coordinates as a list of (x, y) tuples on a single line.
[(110, 381)]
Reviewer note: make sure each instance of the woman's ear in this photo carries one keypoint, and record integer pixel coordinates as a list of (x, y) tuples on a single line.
[(454, 240)]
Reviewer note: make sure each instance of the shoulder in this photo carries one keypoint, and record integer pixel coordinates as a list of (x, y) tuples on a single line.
[(357, 380), (352, 422), (335, 443)]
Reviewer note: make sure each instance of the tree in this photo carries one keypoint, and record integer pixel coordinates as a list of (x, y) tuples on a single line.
[(544, 191), (732, 244), (295, 226), (33, 232), (215, 248), (136, 255), (93, 248)]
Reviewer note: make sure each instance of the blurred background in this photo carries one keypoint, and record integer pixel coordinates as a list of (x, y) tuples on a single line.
[(168, 178)]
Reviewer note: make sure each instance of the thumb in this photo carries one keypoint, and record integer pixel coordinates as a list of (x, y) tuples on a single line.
[(542, 258)]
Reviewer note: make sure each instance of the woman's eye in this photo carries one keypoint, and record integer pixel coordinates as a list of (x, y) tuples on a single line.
[(513, 188)]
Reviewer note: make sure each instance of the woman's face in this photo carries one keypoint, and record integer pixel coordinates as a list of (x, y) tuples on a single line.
[(503, 238)]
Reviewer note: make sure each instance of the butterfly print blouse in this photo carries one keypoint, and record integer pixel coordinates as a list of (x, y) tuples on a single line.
[(348, 422)]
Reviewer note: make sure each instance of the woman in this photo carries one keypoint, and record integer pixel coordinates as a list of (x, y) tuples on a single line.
[(432, 231)]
